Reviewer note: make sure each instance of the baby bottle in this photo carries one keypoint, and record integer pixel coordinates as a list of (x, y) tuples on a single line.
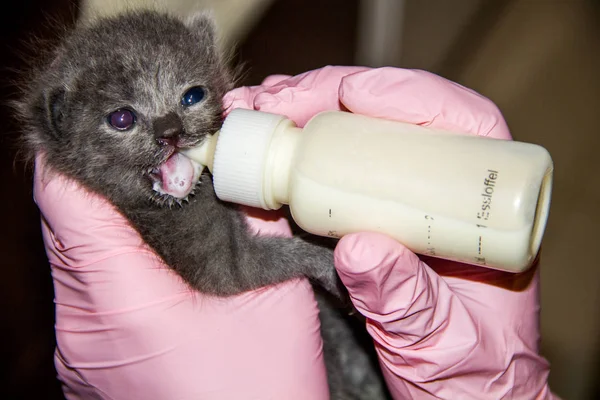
[(471, 199)]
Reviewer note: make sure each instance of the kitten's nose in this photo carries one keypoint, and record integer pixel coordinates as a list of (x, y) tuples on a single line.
[(167, 129)]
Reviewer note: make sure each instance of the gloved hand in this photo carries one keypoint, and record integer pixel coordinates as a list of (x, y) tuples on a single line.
[(441, 329), (128, 328)]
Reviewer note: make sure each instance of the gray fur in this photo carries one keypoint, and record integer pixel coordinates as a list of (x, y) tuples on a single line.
[(146, 61)]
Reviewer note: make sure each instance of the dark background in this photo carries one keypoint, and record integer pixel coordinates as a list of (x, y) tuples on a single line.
[(27, 334)]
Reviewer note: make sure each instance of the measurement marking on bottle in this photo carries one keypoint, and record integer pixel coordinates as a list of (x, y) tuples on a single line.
[(430, 249), (479, 245), (330, 213), (429, 218)]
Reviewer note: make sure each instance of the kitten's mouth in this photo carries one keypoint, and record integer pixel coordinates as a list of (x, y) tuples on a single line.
[(176, 177)]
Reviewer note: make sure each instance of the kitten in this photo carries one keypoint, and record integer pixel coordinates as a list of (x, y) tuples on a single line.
[(111, 109)]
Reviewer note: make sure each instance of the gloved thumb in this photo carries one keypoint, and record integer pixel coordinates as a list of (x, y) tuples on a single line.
[(424, 335), (407, 305)]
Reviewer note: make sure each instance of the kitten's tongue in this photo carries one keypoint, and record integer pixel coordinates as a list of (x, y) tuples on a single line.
[(177, 175)]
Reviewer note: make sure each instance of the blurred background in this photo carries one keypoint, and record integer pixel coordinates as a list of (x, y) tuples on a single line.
[(537, 60)]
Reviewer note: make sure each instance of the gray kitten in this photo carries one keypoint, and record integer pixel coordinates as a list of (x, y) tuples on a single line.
[(111, 109)]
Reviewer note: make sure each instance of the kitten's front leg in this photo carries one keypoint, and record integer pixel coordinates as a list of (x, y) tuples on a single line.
[(286, 258), (248, 261)]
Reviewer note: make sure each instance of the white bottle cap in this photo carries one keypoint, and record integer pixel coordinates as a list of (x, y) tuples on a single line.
[(241, 155)]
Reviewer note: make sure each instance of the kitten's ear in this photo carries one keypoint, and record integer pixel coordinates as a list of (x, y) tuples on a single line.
[(53, 106), (203, 24)]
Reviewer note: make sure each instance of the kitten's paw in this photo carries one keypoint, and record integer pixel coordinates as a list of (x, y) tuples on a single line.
[(331, 282)]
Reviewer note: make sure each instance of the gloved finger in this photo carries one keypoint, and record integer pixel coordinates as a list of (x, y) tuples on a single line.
[(422, 98), (243, 97), (273, 79), (299, 97), (268, 223), (390, 285)]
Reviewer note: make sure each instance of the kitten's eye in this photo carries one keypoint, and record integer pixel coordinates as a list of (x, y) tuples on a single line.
[(122, 119), (192, 96)]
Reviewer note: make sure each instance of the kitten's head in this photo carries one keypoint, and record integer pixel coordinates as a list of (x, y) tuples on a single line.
[(120, 97)]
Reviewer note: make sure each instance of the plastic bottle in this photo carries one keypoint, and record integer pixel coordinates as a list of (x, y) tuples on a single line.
[(471, 199)]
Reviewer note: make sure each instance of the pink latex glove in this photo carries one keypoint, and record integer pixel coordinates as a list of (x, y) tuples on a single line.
[(128, 328), (442, 329)]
